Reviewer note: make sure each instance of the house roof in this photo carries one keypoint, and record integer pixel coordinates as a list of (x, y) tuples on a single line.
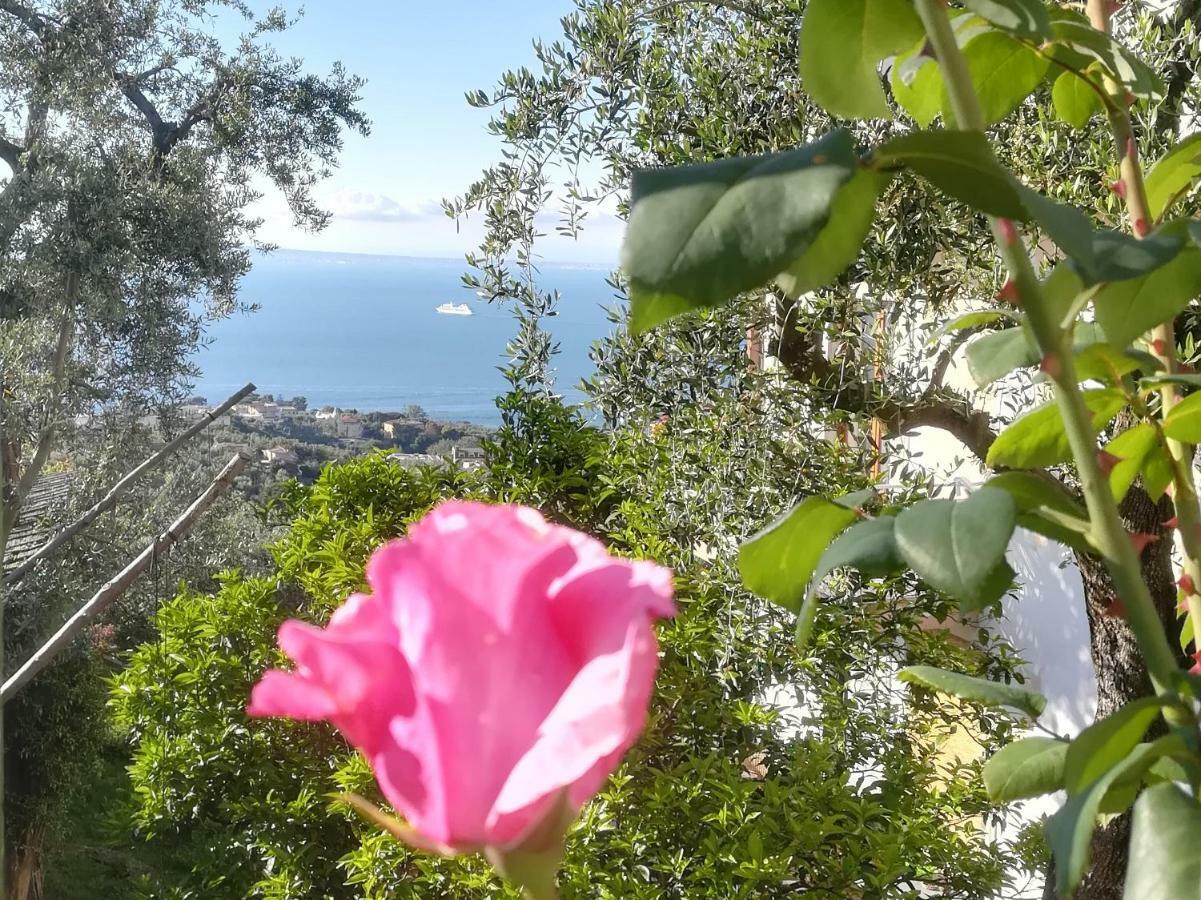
[(39, 517)]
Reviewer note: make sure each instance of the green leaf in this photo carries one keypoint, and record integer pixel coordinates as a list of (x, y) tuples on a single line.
[(1066, 225), (1163, 844), (1151, 382), (971, 320), (1101, 255), (1069, 831), (961, 164), (1173, 175), (917, 85), (1075, 100), (1104, 362), (1183, 423), (1045, 508), (977, 690), (1128, 309), (778, 562), (700, 235), (1158, 472), (1038, 439), (838, 244), (1104, 744), (1061, 288), (1078, 45), (869, 546), (1027, 768), (1027, 18), (957, 546), (1004, 71), (994, 355), (1119, 257), (842, 44), (1131, 447)]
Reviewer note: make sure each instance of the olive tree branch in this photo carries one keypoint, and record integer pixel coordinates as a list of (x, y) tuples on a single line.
[(27, 16), (58, 372), (745, 9), (11, 153)]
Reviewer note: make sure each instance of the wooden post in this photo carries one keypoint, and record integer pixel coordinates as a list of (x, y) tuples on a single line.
[(109, 500), (113, 590)]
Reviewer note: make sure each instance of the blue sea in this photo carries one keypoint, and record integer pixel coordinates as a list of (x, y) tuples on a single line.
[(360, 332)]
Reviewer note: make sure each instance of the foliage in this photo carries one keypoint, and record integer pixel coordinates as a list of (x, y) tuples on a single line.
[(707, 806), (59, 739), (133, 142), (954, 545)]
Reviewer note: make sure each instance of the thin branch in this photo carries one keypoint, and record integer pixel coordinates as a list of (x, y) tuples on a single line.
[(746, 9), (28, 17), (143, 77), (114, 589), (109, 500)]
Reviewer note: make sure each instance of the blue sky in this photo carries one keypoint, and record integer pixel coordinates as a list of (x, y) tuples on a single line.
[(419, 57)]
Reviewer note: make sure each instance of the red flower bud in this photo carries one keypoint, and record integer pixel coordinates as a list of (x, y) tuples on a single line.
[(1119, 188), (1009, 293), (1173, 522), (1159, 347), (1116, 610), (1186, 584), (1051, 366), (1009, 234), (1141, 228)]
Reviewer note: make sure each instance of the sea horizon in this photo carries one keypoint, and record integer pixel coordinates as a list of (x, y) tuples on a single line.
[(360, 331)]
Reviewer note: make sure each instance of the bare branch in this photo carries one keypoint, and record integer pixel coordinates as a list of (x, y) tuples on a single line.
[(167, 134), (114, 589), (148, 110)]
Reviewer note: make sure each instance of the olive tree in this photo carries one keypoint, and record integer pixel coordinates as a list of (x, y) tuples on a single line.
[(133, 142)]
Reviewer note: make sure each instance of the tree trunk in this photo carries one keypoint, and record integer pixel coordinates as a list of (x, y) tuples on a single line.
[(1120, 672), (25, 868)]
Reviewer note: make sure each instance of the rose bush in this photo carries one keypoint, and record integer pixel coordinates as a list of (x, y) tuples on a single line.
[(493, 679)]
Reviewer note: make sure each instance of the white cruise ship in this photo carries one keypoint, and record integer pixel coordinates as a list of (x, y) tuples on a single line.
[(454, 309)]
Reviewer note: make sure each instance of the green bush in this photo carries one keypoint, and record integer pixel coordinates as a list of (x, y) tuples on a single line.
[(729, 794)]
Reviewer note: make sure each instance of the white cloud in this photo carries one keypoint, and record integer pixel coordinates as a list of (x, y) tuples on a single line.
[(363, 206)]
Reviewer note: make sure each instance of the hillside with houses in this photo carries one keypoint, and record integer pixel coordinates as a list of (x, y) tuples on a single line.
[(288, 435)]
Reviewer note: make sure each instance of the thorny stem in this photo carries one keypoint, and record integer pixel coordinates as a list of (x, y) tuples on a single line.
[(1163, 336), (1108, 533)]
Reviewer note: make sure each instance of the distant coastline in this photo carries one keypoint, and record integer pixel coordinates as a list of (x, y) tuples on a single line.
[(361, 331)]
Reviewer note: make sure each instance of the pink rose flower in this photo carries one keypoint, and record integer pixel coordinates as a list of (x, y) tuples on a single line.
[(501, 666)]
